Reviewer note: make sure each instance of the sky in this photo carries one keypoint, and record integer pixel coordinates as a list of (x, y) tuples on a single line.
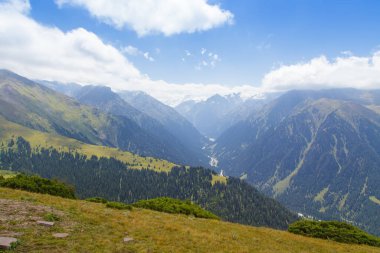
[(191, 49)]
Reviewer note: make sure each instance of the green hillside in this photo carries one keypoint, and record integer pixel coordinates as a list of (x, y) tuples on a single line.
[(316, 155), (109, 178), (92, 227), (37, 139), (34, 106)]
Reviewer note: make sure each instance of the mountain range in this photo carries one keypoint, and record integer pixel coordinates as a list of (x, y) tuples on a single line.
[(318, 152), (217, 113), (35, 106), (55, 136), (180, 140)]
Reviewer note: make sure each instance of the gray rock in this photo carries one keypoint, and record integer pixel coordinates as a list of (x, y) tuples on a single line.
[(6, 242), (45, 223), (60, 235), (128, 239)]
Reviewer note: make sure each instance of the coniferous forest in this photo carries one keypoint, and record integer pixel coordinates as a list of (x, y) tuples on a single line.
[(234, 201)]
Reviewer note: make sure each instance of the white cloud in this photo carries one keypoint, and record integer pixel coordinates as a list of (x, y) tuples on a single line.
[(133, 51), (44, 52), (41, 52), (160, 16), (148, 57), (173, 94), (209, 59), (21, 6), (346, 71)]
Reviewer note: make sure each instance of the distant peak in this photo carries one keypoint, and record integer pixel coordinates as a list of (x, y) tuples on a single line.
[(136, 93)]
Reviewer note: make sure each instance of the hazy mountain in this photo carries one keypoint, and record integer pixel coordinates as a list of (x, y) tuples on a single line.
[(35, 106), (106, 100), (68, 89), (175, 123), (317, 152), (216, 114)]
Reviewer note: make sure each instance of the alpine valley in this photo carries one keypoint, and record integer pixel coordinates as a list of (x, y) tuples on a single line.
[(50, 134), (316, 152)]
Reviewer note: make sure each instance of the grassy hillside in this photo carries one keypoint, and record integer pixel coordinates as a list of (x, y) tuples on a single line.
[(10, 130), (34, 106), (37, 139), (151, 231)]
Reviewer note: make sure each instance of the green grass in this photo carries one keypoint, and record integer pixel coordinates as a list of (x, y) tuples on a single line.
[(175, 206), (118, 205), (97, 200), (219, 179), (51, 217), (10, 130), (38, 184), (7, 174), (92, 227), (335, 231)]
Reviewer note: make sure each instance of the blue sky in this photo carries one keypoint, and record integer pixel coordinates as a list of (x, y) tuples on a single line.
[(265, 33), (264, 36)]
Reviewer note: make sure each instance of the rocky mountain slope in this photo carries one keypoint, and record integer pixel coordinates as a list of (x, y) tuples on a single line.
[(104, 99), (35, 106), (175, 123), (316, 152)]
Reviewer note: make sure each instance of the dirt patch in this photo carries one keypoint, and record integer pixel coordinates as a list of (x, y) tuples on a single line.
[(19, 216)]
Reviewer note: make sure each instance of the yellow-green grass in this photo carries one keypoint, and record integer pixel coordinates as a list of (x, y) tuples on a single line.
[(10, 130), (218, 178), (94, 228), (7, 174), (374, 200)]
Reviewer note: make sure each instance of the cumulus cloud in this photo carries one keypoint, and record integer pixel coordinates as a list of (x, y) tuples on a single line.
[(37, 51), (318, 73), (47, 53), (160, 16)]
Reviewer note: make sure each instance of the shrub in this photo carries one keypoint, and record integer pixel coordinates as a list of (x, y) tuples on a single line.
[(97, 200), (333, 230), (118, 205), (169, 205), (39, 185)]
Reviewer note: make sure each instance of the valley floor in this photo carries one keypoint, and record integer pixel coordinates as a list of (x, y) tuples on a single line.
[(94, 228)]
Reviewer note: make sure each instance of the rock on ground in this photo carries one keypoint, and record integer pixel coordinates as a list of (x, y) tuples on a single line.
[(60, 235), (128, 239), (6, 242), (45, 223)]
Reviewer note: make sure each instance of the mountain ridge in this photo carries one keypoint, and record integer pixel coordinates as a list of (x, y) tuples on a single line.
[(313, 153)]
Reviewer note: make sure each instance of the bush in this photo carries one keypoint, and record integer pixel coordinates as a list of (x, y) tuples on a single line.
[(39, 185), (169, 205), (333, 230), (119, 205), (97, 200)]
